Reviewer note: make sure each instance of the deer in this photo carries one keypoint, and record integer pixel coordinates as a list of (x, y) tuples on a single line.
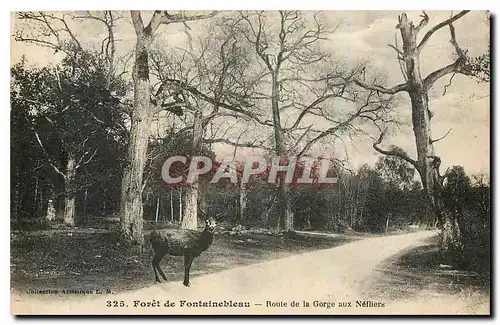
[(181, 242)]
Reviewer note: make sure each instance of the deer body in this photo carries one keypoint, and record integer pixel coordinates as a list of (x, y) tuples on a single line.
[(180, 242)]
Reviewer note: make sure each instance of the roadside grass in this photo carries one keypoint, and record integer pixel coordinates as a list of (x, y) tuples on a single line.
[(416, 274), (98, 259)]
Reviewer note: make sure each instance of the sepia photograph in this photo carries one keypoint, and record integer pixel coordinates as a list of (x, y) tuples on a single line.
[(272, 162)]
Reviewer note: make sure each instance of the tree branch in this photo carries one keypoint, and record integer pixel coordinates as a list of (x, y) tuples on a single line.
[(169, 106), (49, 160), (448, 84), (453, 41), (393, 152), (208, 99), (163, 17), (155, 22), (179, 18), (423, 22), (439, 26), (330, 131), (246, 145), (391, 91), (396, 49), (137, 21), (441, 138), (372, 110), (90, 158), (308, 108), (451, 68)]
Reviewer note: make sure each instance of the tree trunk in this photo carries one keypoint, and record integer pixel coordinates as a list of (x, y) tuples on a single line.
[(171, 205), (131, 209), (51, 211), (308, 219), (85, 198), (181, 216), (39, 206), (267, 210), (190, 218), (427, 163), (286, 207), (243, 201), (285, 220), (69, 211), (69, 195), (15, 202), (104, 198), (60, 206), (35, 198), (354, 214), (157, 208)]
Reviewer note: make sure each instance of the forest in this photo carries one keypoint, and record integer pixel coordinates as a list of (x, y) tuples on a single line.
[(91, 129)]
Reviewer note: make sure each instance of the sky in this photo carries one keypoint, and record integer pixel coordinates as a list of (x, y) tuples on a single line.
[(465, 107), (364, 36)]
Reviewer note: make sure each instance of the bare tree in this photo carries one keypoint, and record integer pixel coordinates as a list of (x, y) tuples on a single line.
[(56, 31), (303, 86), (57, 35), (108, 44), (131, 209), (208, 80), (417, 87)]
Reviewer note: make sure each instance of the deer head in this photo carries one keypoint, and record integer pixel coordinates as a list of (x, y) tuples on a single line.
[(210, 224), (210, 221)]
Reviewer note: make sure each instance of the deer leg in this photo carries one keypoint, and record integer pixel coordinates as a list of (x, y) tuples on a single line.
[(157, 279), (159, 268), (188, 259), (156, 266)]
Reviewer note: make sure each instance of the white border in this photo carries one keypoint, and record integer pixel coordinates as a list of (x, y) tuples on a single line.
[(199, 5)]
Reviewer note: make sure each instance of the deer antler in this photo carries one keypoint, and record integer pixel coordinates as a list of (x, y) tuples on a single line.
[(218, 216), (205, 215)]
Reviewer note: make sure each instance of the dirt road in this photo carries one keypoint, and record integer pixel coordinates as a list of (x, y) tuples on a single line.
[(330, 281)]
